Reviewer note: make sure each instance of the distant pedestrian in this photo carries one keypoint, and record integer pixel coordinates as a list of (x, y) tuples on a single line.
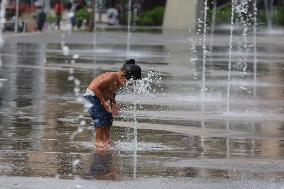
[(112, 16), (41, 18), (58, 8), (72, 15)]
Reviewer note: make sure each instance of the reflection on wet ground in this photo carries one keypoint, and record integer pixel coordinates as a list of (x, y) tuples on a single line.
[(43, 130)]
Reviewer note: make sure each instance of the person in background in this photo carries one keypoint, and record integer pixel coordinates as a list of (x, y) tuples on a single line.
[(41, 18), (58, 9), (72, 6)]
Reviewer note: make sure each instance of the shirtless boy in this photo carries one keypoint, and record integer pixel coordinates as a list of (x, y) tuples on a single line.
[(101, 93)]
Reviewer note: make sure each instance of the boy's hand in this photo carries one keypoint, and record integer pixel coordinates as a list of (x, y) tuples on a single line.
[(115, 109), (107, 107)]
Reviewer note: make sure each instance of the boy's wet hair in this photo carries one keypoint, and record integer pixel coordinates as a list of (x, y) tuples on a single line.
[(131, 70)]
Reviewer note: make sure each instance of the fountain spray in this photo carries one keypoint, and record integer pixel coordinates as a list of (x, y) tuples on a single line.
[(230, 57), (2, 21), (212, 29), (204, 48), (144, 88), (129, 28), (254, 45)]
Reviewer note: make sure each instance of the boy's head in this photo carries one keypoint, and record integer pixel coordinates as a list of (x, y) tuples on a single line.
[(131, 70)]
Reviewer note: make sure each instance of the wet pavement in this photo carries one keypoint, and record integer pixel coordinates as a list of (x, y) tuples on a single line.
[(191, 140)]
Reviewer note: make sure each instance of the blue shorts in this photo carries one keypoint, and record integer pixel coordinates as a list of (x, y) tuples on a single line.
[(101, 117)]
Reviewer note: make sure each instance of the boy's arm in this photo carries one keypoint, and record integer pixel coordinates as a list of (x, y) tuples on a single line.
[(112, 100), (101, 97), (114, 107)]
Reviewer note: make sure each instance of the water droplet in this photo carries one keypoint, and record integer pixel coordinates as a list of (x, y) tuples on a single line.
[(77, 82), (71, 70), (65, 50), (83, 123), (76, 56), (70, 78), (76, 162), (76, 90)]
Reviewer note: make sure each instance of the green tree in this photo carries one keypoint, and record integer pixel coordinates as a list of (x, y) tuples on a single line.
[(153, 17)]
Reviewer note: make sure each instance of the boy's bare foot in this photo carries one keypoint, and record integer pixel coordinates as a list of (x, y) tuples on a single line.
[(103, 145), (108, 146), (100, 144)]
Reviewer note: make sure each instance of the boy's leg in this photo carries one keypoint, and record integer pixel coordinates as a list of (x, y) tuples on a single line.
[(106, 134), (100, 137), (108, 137)]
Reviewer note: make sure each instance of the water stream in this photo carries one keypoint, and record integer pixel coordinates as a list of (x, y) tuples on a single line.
[(2, 21), (230, 57), (268, 4), (129, 28), (212, 29), (204, 48), (254, 46)]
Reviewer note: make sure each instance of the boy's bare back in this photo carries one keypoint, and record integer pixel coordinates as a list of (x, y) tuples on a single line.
[(105, 85)]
